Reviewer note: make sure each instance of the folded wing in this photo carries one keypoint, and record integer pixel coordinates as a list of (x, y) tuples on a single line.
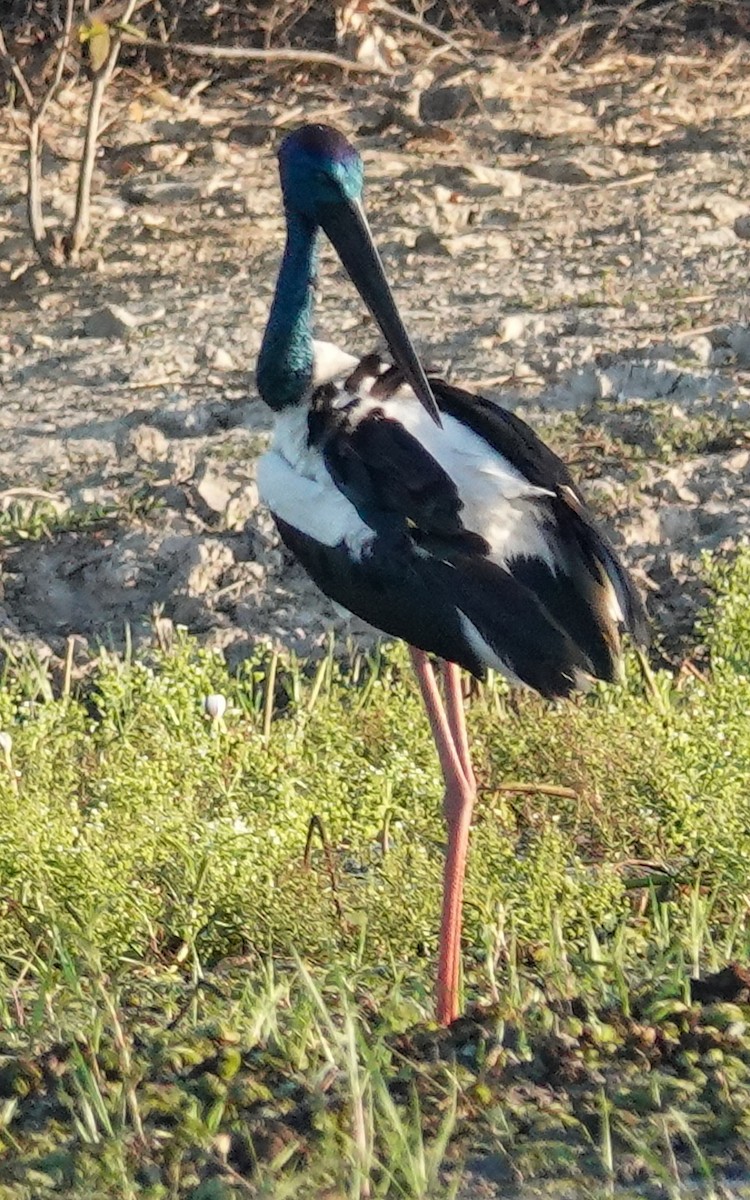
[(471, 541)]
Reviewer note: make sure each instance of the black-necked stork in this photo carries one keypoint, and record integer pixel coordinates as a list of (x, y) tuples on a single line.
[(430, 512)]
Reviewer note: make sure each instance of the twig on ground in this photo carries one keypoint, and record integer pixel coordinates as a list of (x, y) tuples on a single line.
[(613, 16), (242, 54), (537, 789), (630, 180)]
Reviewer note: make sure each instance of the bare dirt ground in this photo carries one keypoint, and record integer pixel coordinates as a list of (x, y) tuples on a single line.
[(572, 242)]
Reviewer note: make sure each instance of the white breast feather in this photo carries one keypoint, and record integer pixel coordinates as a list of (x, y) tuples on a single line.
[(330, 362), (294, 482)]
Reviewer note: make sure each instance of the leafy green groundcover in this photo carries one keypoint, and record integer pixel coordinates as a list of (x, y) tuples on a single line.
[(193, 1007)]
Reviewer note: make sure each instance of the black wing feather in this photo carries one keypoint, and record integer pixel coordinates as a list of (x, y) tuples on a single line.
[(386, 473), (574, 521)]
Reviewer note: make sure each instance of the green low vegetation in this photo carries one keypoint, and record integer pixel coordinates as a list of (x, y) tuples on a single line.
[(218, 935), (42, 518)]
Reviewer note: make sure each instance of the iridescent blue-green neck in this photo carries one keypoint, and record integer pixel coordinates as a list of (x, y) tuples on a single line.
[(285, 362)]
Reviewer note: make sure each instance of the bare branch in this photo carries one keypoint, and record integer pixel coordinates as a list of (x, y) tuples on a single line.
[(416, 22), (13, 66), (537, 789), (34, 208), (34, 172), (36, 115), (79, 230), (54, 87), (241, 54)]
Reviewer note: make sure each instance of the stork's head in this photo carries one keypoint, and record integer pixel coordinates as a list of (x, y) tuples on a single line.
[(321, 181), (319, 168)]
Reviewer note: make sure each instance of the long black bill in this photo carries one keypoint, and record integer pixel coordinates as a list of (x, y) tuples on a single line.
[(346, 227)]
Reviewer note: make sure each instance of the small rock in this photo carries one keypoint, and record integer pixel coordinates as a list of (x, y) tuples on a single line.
[(153, 220), (500, 246), (511, 328), (446, 103), (148, 443), (201, 566), (222, 360), (93, 495), (241, 506), (428, 242), (213, 487), (182, 460), (742, 226), (165, 155), (702, 350), (727, 210), (739, 341), (111, 207), (111, 322), (716, 239), (526, 370), (168, 192)]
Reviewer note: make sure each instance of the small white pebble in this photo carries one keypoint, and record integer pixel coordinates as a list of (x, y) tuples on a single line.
[(222, 360), (215, 705)]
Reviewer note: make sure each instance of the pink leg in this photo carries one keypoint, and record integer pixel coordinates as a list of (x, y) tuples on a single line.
[(451, 742), (454, 703)]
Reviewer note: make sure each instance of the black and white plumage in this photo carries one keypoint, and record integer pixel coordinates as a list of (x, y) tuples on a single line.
[(432, 513), (470, 540)]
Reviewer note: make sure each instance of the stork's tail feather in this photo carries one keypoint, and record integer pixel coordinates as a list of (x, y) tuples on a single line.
[(505, 626), (595, 543)]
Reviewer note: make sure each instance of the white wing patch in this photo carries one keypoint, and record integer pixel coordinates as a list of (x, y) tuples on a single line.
[(497, 499)]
